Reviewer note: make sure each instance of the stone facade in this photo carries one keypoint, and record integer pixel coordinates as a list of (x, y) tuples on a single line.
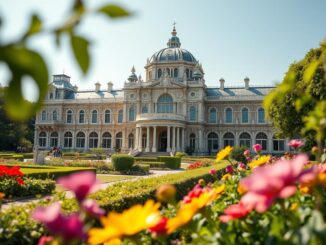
[(170, 110)]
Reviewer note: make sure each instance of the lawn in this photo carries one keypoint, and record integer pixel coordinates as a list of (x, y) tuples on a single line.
[(113, 178)]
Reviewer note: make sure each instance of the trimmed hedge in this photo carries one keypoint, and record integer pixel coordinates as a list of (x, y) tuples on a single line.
[(31, 187), (145, 159), (154, 165), (170, 162), (122, 161)]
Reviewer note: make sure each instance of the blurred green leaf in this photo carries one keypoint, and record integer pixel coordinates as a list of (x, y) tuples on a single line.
[(80, 49), (113, 11), (23, 62), (310, 71), (35, 26), (302, 101)]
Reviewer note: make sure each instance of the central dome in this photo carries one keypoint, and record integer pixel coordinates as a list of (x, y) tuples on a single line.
[(173, 52)]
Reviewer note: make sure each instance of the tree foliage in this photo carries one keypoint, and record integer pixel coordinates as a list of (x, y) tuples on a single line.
[(25, 62)]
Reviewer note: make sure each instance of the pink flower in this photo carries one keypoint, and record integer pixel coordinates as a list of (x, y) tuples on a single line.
[(241, 166), (212, 172), (69, 227), (229, 169), (45, 240), (270, 182), (235, 211), (295, 144), (81, 183), (92, 208), (246, 153), (257, 148)]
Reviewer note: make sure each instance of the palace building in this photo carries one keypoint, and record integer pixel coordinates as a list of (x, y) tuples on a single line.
[(170, 110)]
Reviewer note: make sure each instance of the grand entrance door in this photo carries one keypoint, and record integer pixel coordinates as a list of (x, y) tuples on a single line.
[(163, 142)]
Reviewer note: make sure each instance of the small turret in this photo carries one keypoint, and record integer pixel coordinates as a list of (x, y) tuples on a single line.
[(222, 81), (133, 76), (246, 80)]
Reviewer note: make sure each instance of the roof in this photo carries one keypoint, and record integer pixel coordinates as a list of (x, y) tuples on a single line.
[(241, 91), (91, 94)]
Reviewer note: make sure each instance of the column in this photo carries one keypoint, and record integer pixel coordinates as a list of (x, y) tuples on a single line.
[(136, 138), (168, 149), (140, 136), (154, 139), (178, 139), (173, 138), (147, 140), (182, 140), (200, 134)]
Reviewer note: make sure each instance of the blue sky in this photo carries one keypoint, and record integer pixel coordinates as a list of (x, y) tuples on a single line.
[(232, 39)]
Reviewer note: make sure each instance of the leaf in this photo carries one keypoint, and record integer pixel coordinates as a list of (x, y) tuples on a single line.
[(35, 26), (80, 49), (114, 11), (23, 62), (310, 71)]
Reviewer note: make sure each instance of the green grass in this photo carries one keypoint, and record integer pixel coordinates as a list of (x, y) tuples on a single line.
[(113, 178)]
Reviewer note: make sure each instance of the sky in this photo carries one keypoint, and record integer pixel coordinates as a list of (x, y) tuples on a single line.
[(231, 38)]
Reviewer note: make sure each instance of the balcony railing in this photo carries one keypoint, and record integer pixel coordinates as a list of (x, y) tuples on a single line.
[(160, 116)]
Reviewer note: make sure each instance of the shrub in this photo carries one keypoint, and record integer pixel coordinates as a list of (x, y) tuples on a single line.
[(180, 154), (170, 162), (237, 154), (154, 165), (122, 161), (145, 159), (31, 187)]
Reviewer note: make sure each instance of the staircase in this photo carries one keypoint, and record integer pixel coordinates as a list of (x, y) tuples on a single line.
[(153, 154)]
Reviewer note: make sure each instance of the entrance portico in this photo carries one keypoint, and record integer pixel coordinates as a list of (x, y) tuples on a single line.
[(160, 138)]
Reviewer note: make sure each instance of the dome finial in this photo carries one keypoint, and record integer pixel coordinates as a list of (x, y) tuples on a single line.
[(174, 32)]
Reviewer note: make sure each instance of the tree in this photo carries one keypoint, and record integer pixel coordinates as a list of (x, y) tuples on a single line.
[(25, 62), (297, 106)]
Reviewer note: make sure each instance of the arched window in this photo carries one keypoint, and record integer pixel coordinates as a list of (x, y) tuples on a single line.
[(69, 116), (67, 140), (228, 115), (54, 139), (132, 114), (261, 115), (192, 141), (168, 71), (245, 115), (93, 140), (245, 140), (192, 114), (228, 139), (165, 104), (120, 116), (81, 116), (187, 73), (261, 138), (212, 142), (107, 116), (42, 139), (106, 140), (278, 144), (54, 115), (80, 140), (131, 141), (212, 115), (94, 116), (159, 73), (51, 96), (176, 72), (43, 116), (144, 109), (118, 140)]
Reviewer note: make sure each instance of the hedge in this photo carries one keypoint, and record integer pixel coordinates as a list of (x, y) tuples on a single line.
[(154, 165), (170, 162), (122, 161), (31, 187), (145, 159), (18, 228)]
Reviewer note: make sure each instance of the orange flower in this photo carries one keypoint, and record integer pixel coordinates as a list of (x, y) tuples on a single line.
[(241, 189), (2, 195)]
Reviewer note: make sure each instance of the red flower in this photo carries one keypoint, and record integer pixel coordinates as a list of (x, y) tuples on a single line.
[(20, 181), (235, 211), (160, 227)]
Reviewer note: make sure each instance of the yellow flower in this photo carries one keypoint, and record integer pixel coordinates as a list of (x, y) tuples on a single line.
[(129, 222), (260, 161), (188, 210), (115, 241), (226, 176), (222, 154), (294, 206)]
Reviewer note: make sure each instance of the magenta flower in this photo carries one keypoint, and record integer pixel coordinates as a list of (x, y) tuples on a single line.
[(92, 208), (229, 169), (295, 144), (69, 227), (241, 166), (81, 183), (246, 153), (212, 172), (270, 182), (257, 148)]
